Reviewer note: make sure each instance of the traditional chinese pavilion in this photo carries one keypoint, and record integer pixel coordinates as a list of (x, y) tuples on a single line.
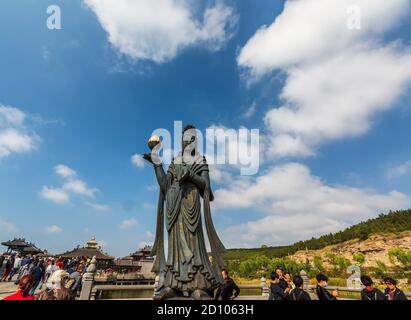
[(138, 262), (91, 249), (32, 249), (21, 246)]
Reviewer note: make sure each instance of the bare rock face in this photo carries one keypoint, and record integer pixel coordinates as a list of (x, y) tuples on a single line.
[(375, 249)]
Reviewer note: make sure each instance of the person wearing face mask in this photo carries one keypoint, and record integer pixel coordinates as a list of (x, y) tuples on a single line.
[(322, 292)]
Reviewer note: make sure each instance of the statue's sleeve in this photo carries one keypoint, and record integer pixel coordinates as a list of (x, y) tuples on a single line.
[(158, 246), (206, 178), (161, 177), (200, 177), (217, 247), (199, 181)]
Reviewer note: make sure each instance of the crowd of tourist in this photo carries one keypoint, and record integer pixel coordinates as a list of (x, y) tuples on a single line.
[(61, 279), (285, 287), (43, 278)]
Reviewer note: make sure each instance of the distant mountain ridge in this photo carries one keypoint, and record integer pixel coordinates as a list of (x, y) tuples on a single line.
[(393, 222)]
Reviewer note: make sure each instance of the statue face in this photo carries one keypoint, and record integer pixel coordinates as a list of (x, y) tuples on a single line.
[(189, 141), (189, 145)]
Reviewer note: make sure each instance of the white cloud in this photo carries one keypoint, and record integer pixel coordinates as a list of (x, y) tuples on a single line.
[(158, 29), (283, 145), (71, 186), (218, 174), (79, 187), (148, 206), (14, 137), (310, 29), (297, 205), (99, 207), (55, 195), (399, 171), (337, 80), (128, 223), (54, 229), (150, 235), (10, 116), (7, 227), (14, 141), (333, 88), (152, 188), (337, 97), (280, 230), (137, 160), (102, 243), (250, 111), (64, 171)]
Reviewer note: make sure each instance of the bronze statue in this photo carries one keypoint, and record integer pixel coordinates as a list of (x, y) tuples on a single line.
[(188, 270)]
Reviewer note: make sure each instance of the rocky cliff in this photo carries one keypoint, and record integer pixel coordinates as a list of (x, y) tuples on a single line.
[(375, 248)]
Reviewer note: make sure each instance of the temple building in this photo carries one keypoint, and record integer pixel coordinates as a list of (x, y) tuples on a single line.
[(20, 245), (139, 262), (32, 249), (16, 245), (91, 249)]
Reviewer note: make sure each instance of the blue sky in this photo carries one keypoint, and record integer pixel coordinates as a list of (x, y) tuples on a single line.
[(333, 115)]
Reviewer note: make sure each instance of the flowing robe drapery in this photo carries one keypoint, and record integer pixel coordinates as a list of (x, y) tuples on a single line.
[(187, 266)]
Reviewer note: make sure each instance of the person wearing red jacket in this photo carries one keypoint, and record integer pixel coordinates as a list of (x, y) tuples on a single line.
[(25, 285), (60, 264)]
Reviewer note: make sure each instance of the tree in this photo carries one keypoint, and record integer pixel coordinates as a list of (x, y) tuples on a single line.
[(380, 270), (400, 255), (359, 257), (318, 264), (339, 263), (396, 221)]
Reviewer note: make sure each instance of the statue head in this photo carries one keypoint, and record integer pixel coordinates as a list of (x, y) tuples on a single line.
[(189, 140)]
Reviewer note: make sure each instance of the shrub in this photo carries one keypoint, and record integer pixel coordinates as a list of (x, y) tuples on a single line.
[(318, 264), (359, 257), (399, 255), (380, 270)]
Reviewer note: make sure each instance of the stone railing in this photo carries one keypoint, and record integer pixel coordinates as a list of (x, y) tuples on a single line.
[(91, 290), (92, 287), (88, 280)]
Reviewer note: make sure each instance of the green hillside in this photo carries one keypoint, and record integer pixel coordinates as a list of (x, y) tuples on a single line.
[(397, 221)]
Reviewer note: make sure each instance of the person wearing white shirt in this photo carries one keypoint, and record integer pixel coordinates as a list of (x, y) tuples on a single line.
[(16, 266), (50, 270)]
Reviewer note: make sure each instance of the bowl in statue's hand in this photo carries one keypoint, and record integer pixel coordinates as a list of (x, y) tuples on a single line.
[(153, 141)]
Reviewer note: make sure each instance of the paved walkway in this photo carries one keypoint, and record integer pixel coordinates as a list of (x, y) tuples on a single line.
[(7, 288)]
